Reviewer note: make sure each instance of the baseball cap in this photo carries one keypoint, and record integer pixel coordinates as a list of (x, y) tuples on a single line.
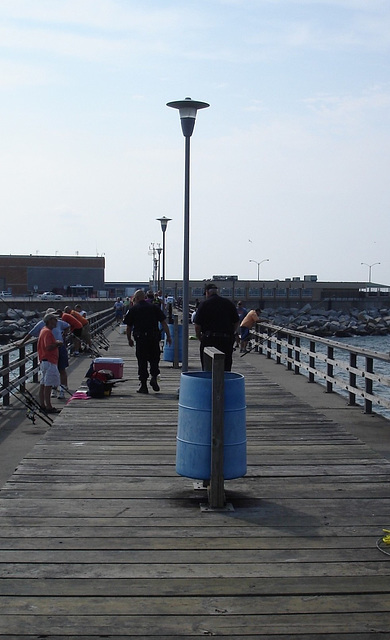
[(210, 286)]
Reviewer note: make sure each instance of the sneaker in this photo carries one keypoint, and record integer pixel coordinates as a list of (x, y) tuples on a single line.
[(61, 393), (53, 410), (76, 353), (143, 388), (53, 392), (154, 384)]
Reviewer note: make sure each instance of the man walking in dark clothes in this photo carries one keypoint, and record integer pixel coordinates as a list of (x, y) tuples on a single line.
[(216, 321), (142, 320)]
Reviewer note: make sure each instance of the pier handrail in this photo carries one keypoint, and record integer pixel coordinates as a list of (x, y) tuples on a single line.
[(333, 363), (20, 363)]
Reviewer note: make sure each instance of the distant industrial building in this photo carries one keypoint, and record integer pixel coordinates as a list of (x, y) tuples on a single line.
[(21, 275), (84, 276), (291, 292)]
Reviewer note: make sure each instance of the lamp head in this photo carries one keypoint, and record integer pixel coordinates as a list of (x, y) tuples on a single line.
[(187, 111), (164, 223)]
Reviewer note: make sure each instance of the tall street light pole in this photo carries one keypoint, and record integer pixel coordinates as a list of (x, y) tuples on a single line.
[(187, 111), (164, 223), (258, 266), (369, 268)]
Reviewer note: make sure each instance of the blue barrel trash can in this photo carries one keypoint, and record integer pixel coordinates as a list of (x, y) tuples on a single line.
[(169, 350), (193, 443)]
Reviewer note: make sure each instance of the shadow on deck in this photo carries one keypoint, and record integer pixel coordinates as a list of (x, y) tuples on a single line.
[(101, 538)]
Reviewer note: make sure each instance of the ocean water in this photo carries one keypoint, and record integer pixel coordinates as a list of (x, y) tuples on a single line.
[(379, 344)]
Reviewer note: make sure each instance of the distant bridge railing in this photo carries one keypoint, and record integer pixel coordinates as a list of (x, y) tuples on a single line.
[(19, 364), (358, 373)]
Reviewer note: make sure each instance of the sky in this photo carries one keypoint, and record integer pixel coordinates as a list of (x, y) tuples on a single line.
[(289, 164)]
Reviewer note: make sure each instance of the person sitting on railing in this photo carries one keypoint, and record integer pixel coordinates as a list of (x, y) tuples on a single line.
[(246, 325), (242, 311)]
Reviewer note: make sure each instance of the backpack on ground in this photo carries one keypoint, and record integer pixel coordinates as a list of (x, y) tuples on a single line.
[(98, 383)]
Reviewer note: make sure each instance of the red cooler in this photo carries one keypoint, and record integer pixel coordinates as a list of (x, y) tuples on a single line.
[(112, 364)]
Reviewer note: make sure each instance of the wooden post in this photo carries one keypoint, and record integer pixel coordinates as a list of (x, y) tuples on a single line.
[(216, 359), (175, 339), (22, 368), (5, 366), (352, 378), (312, 360), (329, 370), (368, 385)]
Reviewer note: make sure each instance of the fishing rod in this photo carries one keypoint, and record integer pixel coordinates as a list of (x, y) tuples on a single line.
[(31, 404), (91, 348), (31, 356), (101, 341), (304, 310), (29, 396)]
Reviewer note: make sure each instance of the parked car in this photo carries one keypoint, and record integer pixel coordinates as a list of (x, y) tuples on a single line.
[(3, 294), (49, 295)]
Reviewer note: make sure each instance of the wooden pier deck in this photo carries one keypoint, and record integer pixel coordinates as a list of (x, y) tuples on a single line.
[(100, 538)]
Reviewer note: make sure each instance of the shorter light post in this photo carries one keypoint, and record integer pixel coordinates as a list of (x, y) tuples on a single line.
[(164, 223), (258, 266), (159, 249), (369, 268)]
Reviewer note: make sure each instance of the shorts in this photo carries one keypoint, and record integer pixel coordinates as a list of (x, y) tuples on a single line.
[(86, 333), (50, 374), (63, 360), (244, 333)]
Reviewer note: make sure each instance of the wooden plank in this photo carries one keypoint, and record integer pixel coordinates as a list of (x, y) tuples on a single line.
[(136, 541), (116, 529), (193, 606), (204, 625), (254, 571), (193, 586), (100, 537)]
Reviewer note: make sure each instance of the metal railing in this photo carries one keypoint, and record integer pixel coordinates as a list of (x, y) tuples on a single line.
[(20, 363), (359, 373)]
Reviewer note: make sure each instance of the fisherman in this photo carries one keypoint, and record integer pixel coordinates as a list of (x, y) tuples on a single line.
[(119, 309), (59, 332), (76, 328), (48, 358), (246, 325), (242, 311), (85, 331)]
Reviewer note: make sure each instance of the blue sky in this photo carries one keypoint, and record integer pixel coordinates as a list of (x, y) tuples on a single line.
[(290, 163)]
